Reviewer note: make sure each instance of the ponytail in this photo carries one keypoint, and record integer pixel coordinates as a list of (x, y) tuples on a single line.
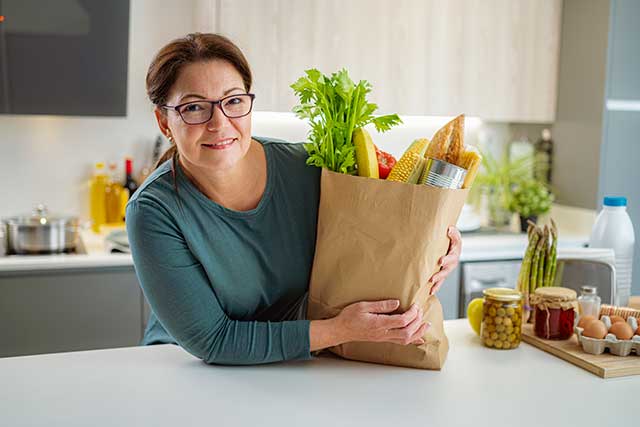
[(169, 154)]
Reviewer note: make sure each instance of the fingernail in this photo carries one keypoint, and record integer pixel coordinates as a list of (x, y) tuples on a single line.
[(428, 324)]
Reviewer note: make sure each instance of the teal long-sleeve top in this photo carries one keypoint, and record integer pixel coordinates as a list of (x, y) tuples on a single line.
[(226, 285)]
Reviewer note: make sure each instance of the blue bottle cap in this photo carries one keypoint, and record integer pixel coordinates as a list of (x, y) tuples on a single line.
[(615, 201)]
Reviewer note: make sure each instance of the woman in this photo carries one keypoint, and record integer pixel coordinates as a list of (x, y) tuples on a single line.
[(223, 231)]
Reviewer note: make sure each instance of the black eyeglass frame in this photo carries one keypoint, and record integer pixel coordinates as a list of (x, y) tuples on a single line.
[(213, 105)]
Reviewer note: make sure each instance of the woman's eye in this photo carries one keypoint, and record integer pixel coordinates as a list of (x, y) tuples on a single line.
[(191, 108), (233, 101)]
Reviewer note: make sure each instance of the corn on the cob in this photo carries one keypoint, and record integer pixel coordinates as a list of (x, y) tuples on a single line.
[(409, 167)]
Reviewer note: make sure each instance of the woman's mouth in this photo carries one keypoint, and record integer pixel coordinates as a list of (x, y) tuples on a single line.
[(221, 145)]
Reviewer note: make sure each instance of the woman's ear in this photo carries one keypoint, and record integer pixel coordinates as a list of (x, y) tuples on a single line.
[(163, 123)]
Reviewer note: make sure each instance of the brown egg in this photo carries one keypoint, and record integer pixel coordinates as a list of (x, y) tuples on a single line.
[(616, 319), (585, 320), (595, 329), (621, 330)]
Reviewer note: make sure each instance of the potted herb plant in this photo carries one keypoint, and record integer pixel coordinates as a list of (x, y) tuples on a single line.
[(497, 179), (529, 199)]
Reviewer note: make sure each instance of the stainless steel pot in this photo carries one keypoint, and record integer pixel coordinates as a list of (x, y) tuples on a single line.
[(41, 233)]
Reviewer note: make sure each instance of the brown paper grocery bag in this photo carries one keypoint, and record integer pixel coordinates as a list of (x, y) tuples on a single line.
[(381, 240)]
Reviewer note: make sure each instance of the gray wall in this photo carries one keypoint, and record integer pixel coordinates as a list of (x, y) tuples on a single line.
[(620, 174), (577, 132)]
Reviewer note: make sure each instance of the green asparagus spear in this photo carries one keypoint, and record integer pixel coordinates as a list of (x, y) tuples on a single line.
[(523, 274), (527, 261), (533, 279), (554, 254), (543, 257)]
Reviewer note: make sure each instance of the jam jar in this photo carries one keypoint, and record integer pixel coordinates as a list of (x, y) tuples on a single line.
[(554, 312), (501, 318)]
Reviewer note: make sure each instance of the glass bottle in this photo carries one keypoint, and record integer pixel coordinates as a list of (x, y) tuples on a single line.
[(589, 302), (97, 197), (114, 196), (130, 183)]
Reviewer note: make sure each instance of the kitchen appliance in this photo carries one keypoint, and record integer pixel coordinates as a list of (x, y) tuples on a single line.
[(481, 275), (3, 240), (41, 233)]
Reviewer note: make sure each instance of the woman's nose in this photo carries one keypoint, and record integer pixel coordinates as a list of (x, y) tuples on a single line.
[(218, 119)]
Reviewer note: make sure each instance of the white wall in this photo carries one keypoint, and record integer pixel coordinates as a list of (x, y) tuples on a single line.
[(48, 159)]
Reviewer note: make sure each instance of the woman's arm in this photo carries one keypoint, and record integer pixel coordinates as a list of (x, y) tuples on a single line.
[(180, 294)]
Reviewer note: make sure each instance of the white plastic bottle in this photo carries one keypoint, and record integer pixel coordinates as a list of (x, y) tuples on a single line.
[(613, 229)]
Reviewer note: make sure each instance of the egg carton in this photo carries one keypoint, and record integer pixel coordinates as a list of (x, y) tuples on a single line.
[(610, 342)]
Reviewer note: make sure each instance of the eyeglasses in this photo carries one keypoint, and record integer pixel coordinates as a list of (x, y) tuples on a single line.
[(198, 112)]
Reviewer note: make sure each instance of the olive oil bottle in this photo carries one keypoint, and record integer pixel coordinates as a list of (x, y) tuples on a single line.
[(97, 197)]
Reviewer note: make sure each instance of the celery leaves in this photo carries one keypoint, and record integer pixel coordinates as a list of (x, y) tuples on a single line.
[(335, 106)]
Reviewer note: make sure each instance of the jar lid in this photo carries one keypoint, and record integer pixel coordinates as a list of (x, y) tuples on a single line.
[(503, 294), (589, 290), (556, 294)]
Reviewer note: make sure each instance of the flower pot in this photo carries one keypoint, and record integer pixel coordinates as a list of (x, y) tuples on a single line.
[(524, 222)]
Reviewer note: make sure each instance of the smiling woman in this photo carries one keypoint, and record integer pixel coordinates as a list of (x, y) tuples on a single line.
[(223, 232)]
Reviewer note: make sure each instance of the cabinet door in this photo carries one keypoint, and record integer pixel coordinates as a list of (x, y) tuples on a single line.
[(69, 310), (624, 51), (495, 59)]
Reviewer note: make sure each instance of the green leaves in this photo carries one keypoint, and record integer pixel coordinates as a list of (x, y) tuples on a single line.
[(335, 106), (531, 198)]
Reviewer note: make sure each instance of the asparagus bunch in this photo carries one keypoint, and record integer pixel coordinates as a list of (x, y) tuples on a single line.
[(539, 263)]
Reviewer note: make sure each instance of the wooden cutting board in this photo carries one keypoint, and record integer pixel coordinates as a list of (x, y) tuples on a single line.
[(605, 365)]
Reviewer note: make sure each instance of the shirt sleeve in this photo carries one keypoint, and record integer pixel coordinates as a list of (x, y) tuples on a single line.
[(181, 296)]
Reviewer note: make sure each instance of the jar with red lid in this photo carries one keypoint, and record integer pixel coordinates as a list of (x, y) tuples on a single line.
[(555, 311)]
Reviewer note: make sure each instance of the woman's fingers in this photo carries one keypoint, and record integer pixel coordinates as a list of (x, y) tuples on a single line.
[(455, 239), (385, 306), (396, 321), (436, 287), (407, 334)]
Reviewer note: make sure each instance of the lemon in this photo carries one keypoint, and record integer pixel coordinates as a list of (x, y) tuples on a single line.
[(474, 313)]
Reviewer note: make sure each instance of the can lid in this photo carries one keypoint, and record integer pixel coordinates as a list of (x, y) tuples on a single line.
[(503, 294), (615, 201), (556, 294)]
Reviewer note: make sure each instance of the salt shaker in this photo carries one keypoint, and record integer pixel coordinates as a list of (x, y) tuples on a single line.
[(589, 301)]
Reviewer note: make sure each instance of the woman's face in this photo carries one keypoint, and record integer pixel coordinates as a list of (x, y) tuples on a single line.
[(220, 143)]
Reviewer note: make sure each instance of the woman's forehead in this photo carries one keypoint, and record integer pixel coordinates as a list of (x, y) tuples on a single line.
[(208, 79)]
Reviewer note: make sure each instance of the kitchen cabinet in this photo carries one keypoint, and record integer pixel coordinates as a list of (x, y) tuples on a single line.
[(494, 59), (52, 311), (624, 51), (449, 295)]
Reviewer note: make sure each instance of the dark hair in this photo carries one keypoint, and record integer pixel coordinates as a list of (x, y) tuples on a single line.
[(195, 47)]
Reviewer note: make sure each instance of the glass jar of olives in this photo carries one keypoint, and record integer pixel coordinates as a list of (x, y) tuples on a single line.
[(501, 318)]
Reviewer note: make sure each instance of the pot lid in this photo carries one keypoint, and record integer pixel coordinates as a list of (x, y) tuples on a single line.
[(40, 216)]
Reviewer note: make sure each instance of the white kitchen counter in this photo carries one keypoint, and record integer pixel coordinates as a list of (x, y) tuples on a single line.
[(165, 386)]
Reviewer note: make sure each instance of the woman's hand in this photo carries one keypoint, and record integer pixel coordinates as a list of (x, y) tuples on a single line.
[(448, 262), (370, 321)]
